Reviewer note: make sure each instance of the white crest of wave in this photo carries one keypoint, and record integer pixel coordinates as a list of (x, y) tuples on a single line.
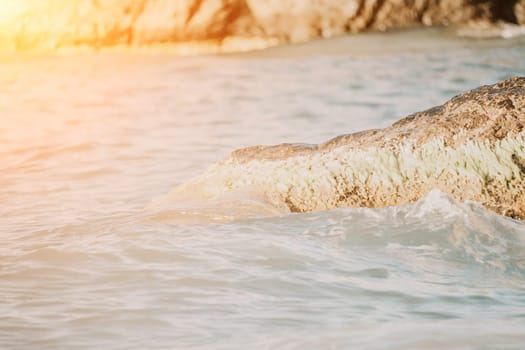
[(435, 228), (435, 203), (500, 30)]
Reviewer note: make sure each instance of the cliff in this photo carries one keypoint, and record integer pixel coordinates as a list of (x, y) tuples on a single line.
[(472, 148), (48, 25)]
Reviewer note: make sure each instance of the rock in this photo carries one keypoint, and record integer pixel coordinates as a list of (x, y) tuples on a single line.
[(48, 25), (472, 148)]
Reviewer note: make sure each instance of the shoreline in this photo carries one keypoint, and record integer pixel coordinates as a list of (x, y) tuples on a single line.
[(404, 40)]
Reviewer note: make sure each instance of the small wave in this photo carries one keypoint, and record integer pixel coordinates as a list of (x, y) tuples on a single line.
[(472, 233), (233, 206), (489, 30), (28, 156), (435, 228), (96, 172)]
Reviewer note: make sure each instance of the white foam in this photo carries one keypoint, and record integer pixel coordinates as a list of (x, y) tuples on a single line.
[(504, 31)]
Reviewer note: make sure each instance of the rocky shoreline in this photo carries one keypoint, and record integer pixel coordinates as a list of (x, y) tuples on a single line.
[(235, 25), (471, 147)]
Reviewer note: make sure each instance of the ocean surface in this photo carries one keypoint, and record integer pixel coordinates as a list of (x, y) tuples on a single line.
[(87, 142)]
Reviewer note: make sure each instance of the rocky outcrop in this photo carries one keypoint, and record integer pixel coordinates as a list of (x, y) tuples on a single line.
[(54, 24), (472, 148)]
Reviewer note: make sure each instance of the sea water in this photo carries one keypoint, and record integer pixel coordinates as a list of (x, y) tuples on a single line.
[(87, 142)]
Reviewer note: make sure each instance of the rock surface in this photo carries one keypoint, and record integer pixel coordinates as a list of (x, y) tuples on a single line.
[(47, 25), (472, 148)]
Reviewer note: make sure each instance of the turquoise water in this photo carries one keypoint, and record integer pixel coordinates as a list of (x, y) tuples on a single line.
[(88, 141)]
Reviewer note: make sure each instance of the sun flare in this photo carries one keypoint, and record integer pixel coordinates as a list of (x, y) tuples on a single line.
[(9, 9)]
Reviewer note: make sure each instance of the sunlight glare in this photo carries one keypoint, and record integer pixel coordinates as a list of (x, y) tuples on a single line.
[(9, 9)]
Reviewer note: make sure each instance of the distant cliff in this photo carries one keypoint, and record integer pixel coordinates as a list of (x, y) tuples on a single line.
[(28, 25)]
